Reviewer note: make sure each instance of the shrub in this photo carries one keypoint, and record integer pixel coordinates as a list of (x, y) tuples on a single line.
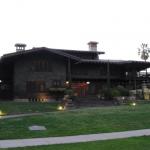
[(123, 91), (114, 92)]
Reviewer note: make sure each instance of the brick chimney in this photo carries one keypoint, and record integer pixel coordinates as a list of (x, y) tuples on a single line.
[(20, 47), (93, 45)]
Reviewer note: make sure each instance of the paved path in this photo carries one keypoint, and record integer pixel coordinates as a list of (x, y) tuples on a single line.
[(72, 139), (22, 115)]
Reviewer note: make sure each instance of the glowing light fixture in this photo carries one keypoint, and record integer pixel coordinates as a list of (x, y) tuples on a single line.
[(67, 82), (2, 113), (133, 104), (87, 82), (61, 108)]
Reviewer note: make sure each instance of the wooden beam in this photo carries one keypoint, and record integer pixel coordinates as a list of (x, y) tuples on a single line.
[(108, 78), (69, 70)]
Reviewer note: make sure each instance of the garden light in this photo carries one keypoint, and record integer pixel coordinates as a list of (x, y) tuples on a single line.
[(2, 113), (61, 108), (133, 104)]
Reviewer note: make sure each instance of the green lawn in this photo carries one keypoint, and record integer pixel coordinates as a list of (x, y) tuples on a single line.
[(24, 107), (82, 121), (140, 143)]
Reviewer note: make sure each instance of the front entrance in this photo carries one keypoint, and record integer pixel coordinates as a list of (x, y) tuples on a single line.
[(81, 88)]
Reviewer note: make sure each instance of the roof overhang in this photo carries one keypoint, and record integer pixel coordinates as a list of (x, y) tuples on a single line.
[(127, 64), (12, 56)]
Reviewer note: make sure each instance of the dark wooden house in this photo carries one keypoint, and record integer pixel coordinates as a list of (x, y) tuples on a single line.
[(40, 73)]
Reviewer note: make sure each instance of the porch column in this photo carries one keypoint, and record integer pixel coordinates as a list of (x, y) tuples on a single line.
[(134, 80), (69, 71), (135, 73), (108, 77)]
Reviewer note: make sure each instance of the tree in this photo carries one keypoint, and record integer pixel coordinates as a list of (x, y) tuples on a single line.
[(144, 53)]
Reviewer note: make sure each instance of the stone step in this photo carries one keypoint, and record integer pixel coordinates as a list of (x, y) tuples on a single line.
[(88, 98)]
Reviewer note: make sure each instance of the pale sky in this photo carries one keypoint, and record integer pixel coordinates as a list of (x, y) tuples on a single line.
[(120, 26)]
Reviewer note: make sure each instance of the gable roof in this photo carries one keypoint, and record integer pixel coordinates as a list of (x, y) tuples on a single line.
[(83, 51), (71, 55), (40, 49)]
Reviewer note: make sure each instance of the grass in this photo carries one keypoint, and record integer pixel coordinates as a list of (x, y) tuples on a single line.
[(75, 122), (139, 143), (24, 107)]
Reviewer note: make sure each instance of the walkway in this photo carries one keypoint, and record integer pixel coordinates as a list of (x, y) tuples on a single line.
[(72, 139), (22, 115)]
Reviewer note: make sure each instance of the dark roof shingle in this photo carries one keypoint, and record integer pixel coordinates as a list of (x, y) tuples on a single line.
[(55, 51)]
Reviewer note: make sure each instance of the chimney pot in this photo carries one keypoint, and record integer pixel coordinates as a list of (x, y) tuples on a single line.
[(20, 47), (93, 45)]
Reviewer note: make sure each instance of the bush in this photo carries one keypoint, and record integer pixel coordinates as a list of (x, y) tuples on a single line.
[(114, 92), (123, 91)]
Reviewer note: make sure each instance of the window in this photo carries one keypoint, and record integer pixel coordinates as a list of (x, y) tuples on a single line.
[(35, 86), (41, 66), (56, 83)]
